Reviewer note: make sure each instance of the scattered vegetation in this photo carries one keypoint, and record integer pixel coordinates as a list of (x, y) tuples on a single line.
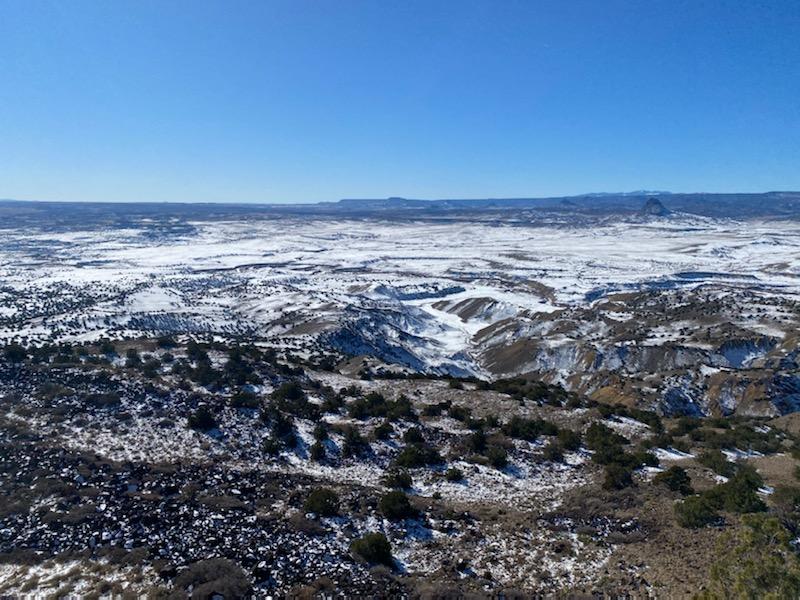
[(323, 502), (373, 548), (395, 506)]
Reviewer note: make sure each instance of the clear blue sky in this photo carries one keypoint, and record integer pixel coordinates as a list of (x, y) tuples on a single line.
[(273, 101)]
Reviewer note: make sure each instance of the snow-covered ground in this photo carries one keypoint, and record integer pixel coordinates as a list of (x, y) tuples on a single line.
[(403, 278)]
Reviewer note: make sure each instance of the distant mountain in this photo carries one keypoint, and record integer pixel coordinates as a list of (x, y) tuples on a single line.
[(654, 208), (745, 205), (636, 193), (785, 205)]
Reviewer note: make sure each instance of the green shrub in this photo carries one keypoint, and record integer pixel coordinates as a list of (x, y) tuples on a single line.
[(676, 479), (695, 512), (281, 427), (739, 493), (354, 444), (743, 437), (373, 548), (569, 440), (716, 461), (459, 413), (414, 456), (323, 502), (599, 436), (398, 479), (617, 476), (643, 457), (15, 353), (454, 474), (213, 576), (647, 417), (476, 442), (757, 560), (435, 410), (271, 447), (166, 342), (383, 431), (553, 452), (536, 391), (132, 358), (685, 425), (786, 503), (288, 391), (202, 419), (395, 506), (375, 405), (317, 451), (497, 456), (413, 436), (321, 432), (528, 429), (244, 399)]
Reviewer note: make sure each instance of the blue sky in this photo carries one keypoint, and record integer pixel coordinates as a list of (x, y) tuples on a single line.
[(300, 101)]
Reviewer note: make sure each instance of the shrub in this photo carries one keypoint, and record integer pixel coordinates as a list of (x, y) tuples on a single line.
[(354, 444), (398, 479), (497, 456), (528, 429), (553, 452), (281, 427), (716, 461), (741, 436), (695, 512), (244, 399), (202, 419), (685, 425), (271, 446), (435, 410), (599, 436), (413, 436), (570, 440), (288, 391), (320, 432), (165, 342), (373, 548), (375, 405), (617, 476), (755, 561), (454, 474), (476, 442), (643, 457), (676, 479), (214, 576), (536, 391), (383, 431), (738, 494), (106, 347), (317, 451), (395, 506), (459, 413), (323, 502), (132, 358), (15, 353), (414, 456), (647, 417), (291, 398), (786, 500)]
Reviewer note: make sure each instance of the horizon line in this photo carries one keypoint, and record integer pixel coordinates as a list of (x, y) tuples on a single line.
[(635, 193)]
